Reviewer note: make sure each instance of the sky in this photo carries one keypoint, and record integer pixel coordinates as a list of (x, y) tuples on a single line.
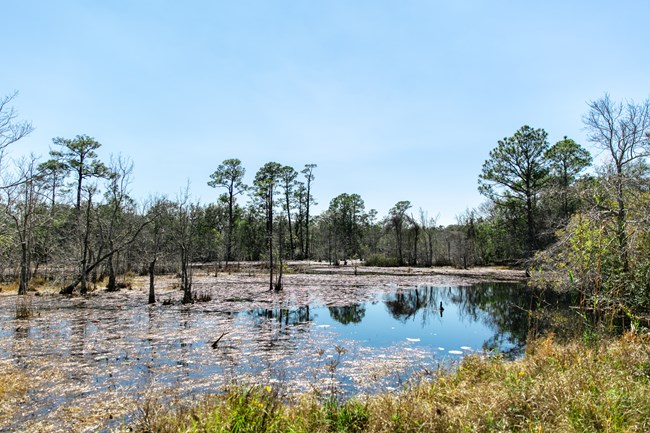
[(393, 100)]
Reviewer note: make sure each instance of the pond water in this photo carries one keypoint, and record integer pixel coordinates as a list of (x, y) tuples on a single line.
[(89, 352)]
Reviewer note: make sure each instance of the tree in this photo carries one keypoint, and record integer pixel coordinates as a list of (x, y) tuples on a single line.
[(23, 207), (110, 221), (346, 217), (157, 237), (396, 219), (266, 181), (308, 171), (516, 173), (429, 227), (229, 175), (288, 183), (622, 131), (185, 223), (78, 156), (11, 130), (566, 160)]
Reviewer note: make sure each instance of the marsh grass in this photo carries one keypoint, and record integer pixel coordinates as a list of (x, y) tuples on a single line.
[(13, 387), (599, 386)]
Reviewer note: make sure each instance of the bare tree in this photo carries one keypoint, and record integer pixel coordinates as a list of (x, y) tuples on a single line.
[(22, 201), (429, 227), (111, 220), (159, 212), (622, 131), (10, 129), (184, 235)]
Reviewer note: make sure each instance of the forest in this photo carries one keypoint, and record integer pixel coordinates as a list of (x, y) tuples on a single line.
[(573, 223)]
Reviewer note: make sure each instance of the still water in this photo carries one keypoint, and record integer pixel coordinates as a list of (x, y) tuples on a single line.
[(446, 321), (84, 352)]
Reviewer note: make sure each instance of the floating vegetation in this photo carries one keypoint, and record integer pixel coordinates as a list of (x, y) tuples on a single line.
[(88, 362)]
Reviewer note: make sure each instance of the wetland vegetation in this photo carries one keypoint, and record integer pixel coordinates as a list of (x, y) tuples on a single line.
[(253, 313)]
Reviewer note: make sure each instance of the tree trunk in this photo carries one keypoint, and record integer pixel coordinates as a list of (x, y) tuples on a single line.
[(530, 223), (307, 246), (270, 241), (24, 269), (152, 291), (621, 215), (186, 282), (112, 285), (291, 245), (231, 221)]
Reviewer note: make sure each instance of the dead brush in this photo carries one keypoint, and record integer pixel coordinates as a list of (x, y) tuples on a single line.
[(202, 296), (24, 309)]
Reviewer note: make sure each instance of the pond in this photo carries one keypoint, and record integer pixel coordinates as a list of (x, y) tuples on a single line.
[(109, 352)]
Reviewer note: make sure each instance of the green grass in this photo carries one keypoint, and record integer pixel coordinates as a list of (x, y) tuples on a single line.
[(600, 386)]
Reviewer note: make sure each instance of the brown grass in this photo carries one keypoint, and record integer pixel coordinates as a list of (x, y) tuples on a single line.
[(572, 387)]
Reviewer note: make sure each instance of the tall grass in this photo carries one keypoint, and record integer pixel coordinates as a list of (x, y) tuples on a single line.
[(601, 386)]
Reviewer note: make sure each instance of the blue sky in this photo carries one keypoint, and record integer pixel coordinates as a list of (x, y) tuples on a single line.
[(394, 100)]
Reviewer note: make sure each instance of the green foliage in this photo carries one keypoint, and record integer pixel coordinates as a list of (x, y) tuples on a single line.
[(515, 175), (349, 417), (516, 168), (345, 219)]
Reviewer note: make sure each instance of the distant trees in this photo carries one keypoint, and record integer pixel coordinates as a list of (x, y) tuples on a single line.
[(344, 219), (71, 217), (396, 220)]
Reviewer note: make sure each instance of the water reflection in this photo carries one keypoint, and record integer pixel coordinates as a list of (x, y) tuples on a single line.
[(404, 305), (492, 317), (348, 314), (501, 308), (101, 349)]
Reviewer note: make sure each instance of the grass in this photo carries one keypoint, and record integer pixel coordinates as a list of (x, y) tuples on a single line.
[(599, 386), (14, 385)]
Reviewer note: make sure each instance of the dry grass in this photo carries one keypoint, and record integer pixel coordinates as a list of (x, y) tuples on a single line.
[(13, 388), (571, 387)]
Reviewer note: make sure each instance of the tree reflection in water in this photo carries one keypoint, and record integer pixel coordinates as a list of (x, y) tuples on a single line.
[(348, 314), (505, 308)]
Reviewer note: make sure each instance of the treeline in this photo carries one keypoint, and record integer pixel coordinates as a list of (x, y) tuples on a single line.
[(573, 224)]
